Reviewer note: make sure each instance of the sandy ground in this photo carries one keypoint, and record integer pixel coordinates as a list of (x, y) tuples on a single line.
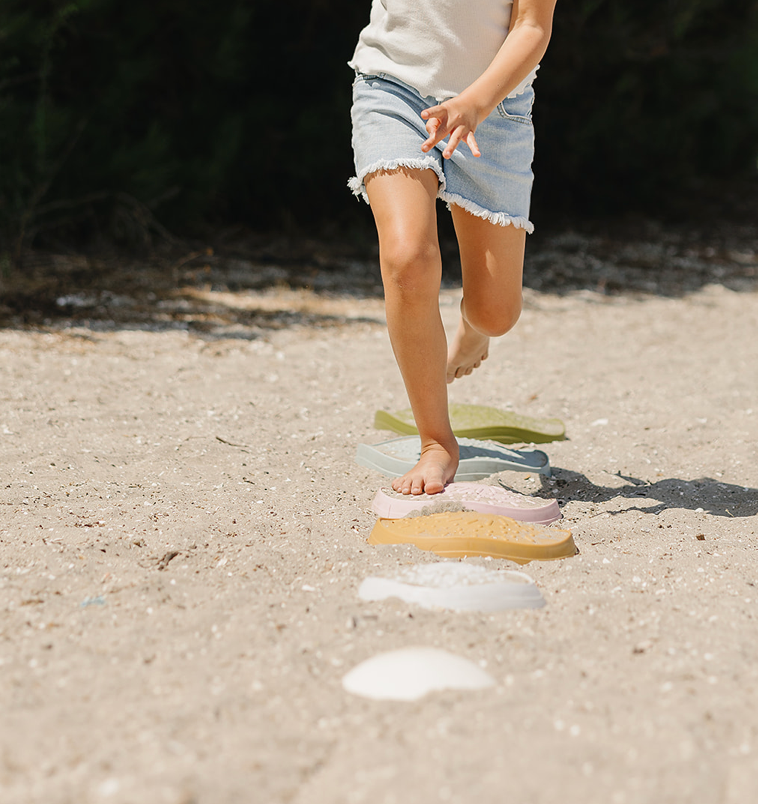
[(183, 532)]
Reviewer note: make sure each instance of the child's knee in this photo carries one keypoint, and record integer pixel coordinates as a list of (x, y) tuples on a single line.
[(411, 266), (494, 318)]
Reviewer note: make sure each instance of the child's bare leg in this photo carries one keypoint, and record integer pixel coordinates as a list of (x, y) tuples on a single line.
[(403, 203), (492, 260)]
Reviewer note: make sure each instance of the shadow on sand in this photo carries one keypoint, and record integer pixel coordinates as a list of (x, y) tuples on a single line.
[(705, 493), (211, 297), (181, 287)]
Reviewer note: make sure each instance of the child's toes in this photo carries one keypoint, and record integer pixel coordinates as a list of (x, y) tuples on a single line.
[(434, 487)]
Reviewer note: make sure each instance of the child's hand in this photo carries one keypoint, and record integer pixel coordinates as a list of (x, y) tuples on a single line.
[(454, 119)]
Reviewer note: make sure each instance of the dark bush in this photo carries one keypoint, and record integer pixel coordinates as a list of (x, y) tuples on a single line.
[(115, 116), (639, 102)]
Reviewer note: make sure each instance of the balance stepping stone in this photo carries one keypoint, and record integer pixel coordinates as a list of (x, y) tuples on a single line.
[(481, 422), (457, 586), (390, 504), (478, 459), (467, 533), (410, 673)]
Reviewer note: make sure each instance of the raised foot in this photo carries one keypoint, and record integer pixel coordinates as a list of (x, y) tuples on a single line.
[(435, 469), (467, 350)]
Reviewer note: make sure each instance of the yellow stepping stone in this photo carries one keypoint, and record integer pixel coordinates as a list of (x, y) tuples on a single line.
[(459, 534)]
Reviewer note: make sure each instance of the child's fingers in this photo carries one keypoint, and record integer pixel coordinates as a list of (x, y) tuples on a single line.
[(433, 129), (456, 138), (452, 143), (442, 121), (471, 142), (436, 117), (433, 111), (432, 125)]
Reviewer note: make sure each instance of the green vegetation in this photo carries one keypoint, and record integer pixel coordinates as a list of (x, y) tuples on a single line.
[(117, 116)]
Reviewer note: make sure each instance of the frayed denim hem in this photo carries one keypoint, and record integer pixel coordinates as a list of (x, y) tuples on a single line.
[(356, 184), (498, 218)]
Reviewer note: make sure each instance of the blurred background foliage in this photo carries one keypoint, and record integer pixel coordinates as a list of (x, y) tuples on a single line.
[(118, 120)]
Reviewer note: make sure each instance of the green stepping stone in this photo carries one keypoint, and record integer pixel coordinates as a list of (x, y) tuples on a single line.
[(480, 421)]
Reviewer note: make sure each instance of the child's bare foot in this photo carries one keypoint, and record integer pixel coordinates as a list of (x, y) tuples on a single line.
[(435, 469), (467, 350)]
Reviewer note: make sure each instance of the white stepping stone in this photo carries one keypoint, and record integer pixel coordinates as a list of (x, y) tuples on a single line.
[(456, 586), (410, 673)]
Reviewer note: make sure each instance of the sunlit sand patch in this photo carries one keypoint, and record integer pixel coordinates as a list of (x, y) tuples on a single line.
[(300, 300)]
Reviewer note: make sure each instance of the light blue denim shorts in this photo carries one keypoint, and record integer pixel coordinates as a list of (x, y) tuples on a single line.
[(388, 132)]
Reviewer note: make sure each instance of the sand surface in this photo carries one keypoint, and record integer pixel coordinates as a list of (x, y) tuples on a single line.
[(183, 533)]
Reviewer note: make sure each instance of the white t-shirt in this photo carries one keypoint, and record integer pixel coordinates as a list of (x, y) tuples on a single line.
[(438, 47)]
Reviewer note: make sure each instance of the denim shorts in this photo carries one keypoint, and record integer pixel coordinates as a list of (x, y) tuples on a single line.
[(388, 132)]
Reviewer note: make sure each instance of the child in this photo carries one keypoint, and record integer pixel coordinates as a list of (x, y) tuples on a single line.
[(433, 76)]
